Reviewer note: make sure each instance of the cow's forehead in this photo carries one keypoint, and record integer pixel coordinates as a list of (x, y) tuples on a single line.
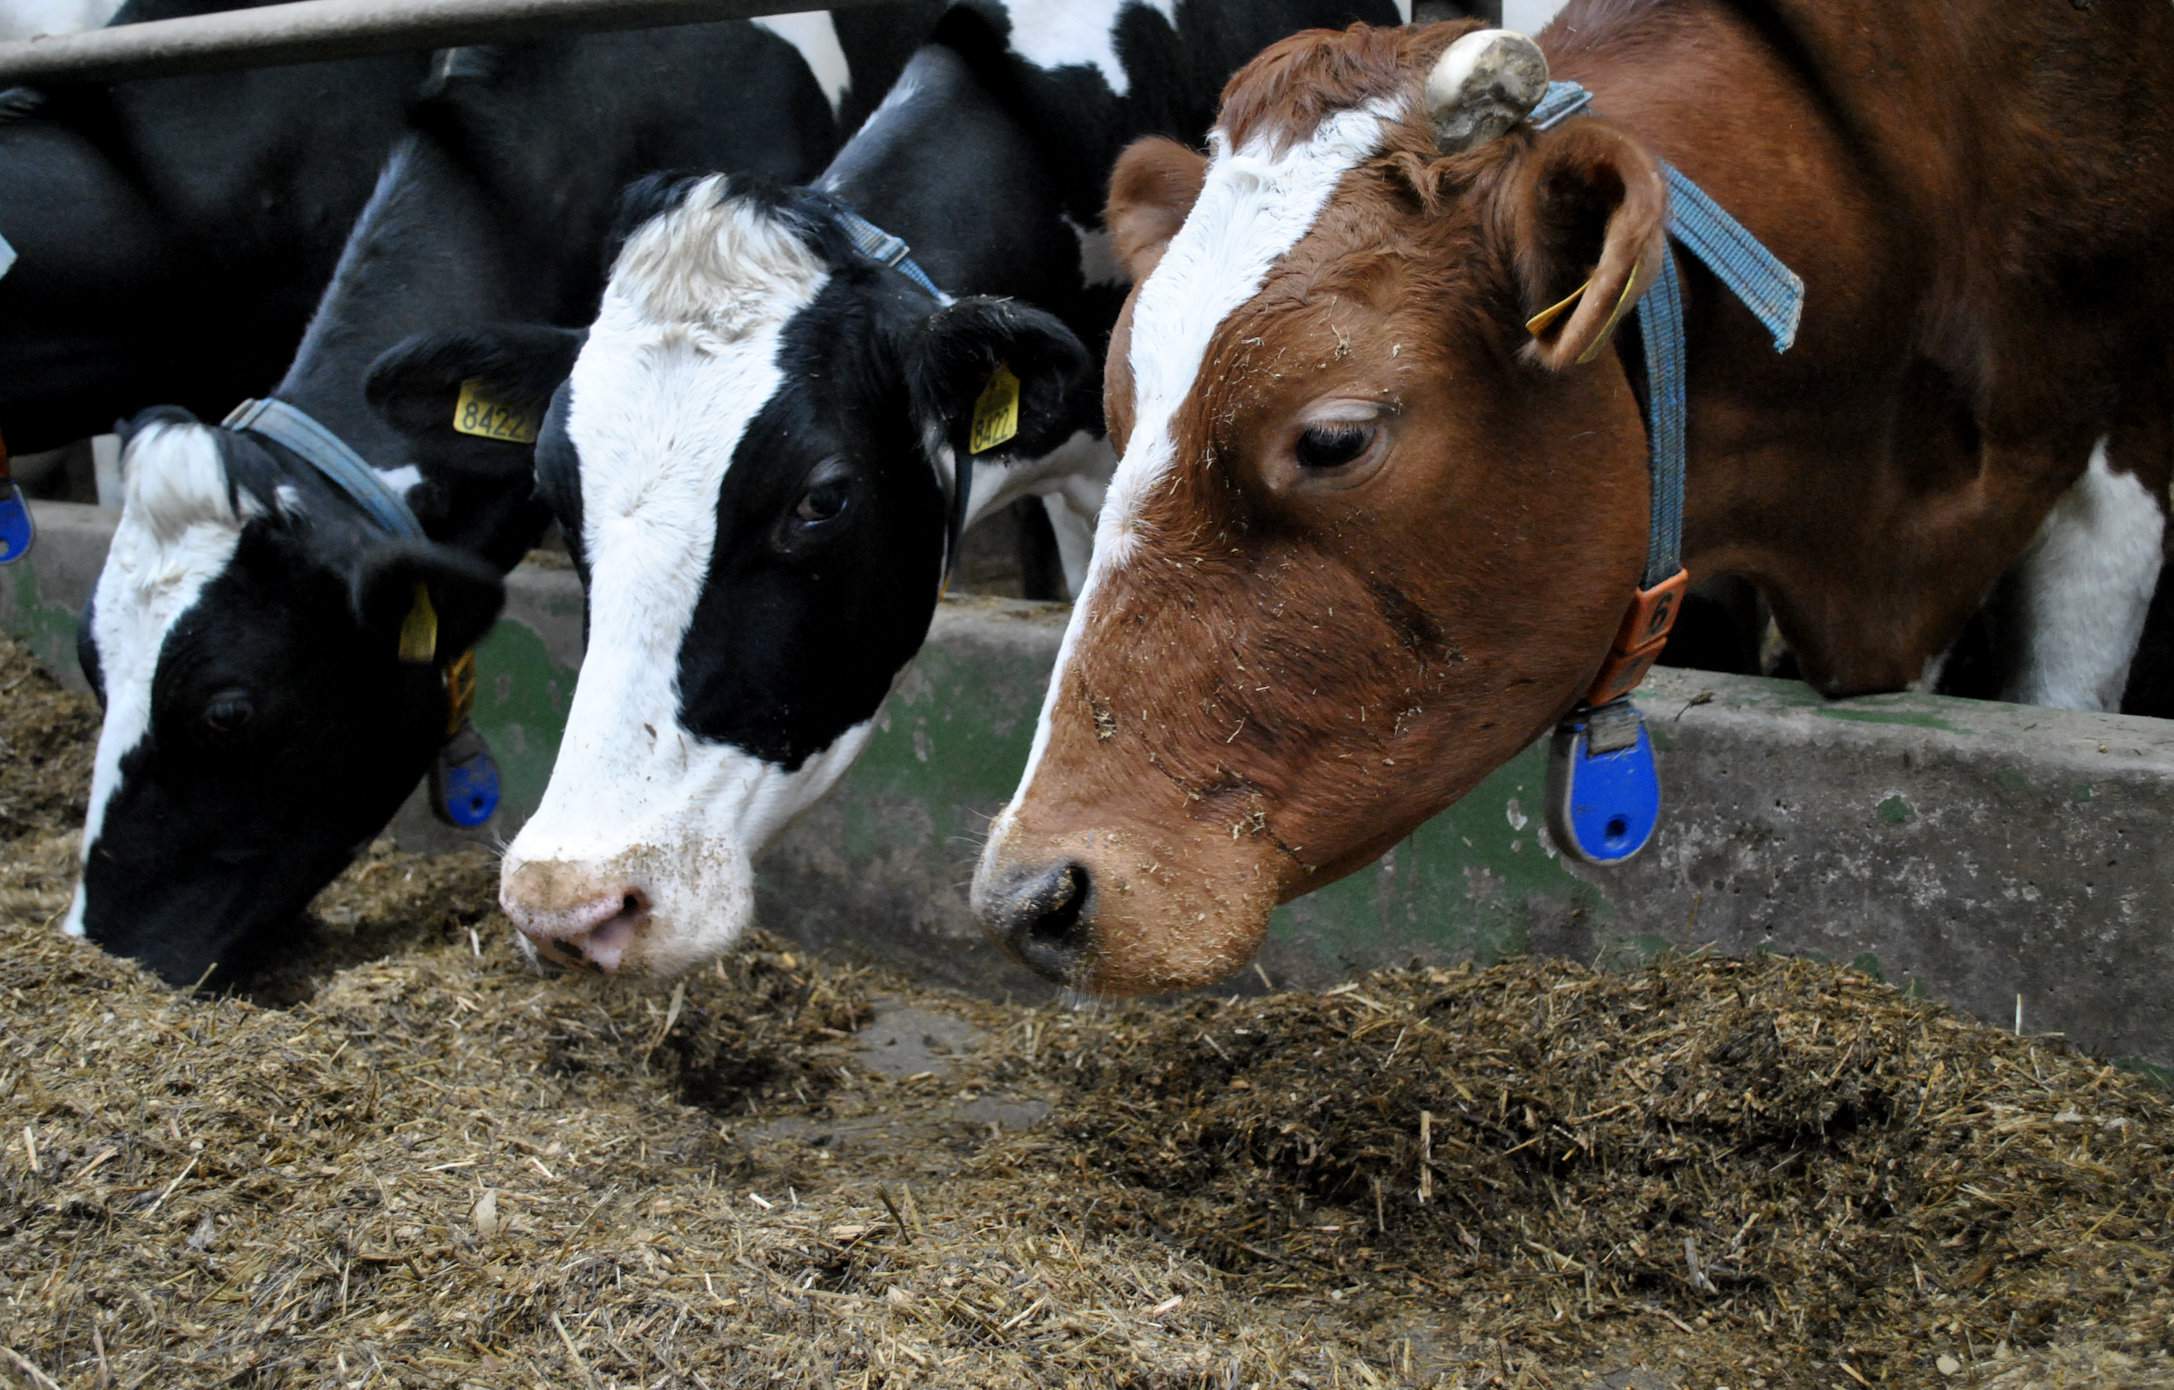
[(684, 352), (1256, 203)]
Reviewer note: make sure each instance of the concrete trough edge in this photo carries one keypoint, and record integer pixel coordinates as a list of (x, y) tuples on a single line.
[(2010, 860)]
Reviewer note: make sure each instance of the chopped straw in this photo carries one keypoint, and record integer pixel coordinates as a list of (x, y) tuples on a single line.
[(402, 1159)]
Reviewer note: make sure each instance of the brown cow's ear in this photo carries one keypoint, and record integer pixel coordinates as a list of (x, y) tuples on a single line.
[(1154, 185), (1586, 215)]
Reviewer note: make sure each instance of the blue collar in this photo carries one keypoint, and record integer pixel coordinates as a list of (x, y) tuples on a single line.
[(884, 249), (329, 454), (893, 253), (1603, 793)]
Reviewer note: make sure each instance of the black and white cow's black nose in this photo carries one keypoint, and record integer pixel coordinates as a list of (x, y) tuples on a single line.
[(575, 914), (1045, 916)]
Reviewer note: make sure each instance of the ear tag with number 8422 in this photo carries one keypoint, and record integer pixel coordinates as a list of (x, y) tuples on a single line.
[(996, 414), (477, 414)]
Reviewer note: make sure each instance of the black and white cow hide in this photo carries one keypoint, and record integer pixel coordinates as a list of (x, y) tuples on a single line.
[(172, 235), (763, 436), (259, 722)]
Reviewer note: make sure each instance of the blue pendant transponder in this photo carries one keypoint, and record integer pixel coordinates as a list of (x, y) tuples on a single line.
[(464, 780), (1603, 793), (16, 532)]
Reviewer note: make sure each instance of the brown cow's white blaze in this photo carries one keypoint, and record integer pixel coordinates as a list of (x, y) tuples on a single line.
[(1303, 591)]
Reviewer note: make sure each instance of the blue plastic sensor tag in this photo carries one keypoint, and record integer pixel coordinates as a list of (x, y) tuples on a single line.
[(16, 531), (464, 780), (1603, 794)]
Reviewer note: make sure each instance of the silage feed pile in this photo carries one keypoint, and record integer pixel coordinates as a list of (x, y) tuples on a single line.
[(408, 1161)]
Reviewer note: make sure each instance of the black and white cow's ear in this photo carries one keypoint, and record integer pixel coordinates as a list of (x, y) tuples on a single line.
[(473, 401), (953, 373), (389, 582)]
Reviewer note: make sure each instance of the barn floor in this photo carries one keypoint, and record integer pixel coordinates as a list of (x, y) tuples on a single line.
[(407, 1160)]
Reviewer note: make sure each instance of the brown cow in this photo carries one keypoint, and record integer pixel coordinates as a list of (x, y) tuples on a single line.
[(1369, 539)]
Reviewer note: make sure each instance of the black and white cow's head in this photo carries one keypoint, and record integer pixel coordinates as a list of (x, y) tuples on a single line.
[(259, 723), (752, 461)]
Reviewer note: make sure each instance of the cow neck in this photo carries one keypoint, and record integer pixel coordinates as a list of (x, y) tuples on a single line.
[(430, 254), (945, 166)]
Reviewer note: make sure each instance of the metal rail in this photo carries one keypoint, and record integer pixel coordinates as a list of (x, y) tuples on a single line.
[(309, 31)]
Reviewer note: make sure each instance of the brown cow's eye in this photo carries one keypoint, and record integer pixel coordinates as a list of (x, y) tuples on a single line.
[(1333, 444)]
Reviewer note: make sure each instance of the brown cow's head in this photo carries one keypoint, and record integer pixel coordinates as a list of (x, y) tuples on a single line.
[(1370, 535)]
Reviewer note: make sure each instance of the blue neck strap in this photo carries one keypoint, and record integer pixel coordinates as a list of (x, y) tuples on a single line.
[(1773, 293), (893, 253), (884, 249), (329, 455)]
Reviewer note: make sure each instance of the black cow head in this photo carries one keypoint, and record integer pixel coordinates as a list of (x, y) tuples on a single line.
[(260, 722)]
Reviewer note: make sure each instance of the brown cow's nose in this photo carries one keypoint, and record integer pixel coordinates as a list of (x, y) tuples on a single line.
[(1046, 917), (573, 915)]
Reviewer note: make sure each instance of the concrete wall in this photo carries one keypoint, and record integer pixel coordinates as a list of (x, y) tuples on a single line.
[(1983, 853)]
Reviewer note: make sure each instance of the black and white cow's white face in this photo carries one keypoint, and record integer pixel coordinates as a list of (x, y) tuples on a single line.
[(259, 726), (751, 461)]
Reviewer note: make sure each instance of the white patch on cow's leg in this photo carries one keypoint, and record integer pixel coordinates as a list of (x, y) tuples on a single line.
[(1928, 680), (1071, 33), (1255, 204), (178, 532), (816, 38), (2083, 589)]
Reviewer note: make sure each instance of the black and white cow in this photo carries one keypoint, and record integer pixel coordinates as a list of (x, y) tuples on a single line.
[(766, 430), (244, 636), (171, 235)]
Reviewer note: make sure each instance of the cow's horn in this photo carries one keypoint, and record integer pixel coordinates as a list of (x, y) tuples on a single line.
[(1483, 84)]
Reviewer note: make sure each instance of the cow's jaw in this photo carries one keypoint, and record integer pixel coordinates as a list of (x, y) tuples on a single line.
[(1257, 203), (178, 532)]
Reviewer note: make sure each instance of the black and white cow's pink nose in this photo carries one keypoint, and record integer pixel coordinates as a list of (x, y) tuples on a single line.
[(575, 914)]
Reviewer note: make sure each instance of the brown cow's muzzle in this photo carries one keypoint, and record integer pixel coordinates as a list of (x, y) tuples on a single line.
[(1118, 912)]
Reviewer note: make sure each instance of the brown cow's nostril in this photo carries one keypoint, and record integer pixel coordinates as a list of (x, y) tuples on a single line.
[(1048, 922)]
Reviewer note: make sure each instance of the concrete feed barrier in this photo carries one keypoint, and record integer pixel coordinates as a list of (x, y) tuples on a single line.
[(2014, 861)]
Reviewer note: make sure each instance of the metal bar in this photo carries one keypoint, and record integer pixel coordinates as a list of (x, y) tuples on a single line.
[(310, 31)]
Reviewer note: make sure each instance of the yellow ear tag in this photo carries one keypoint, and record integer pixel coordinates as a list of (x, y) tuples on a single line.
[(1540, 323), (1607, 329), (996, 414), (419, 630), (477, 414)]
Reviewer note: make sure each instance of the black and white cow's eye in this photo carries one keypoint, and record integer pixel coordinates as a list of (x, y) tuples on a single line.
[(825, 496), (1333, 444), (229, 712), (825, 501)]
